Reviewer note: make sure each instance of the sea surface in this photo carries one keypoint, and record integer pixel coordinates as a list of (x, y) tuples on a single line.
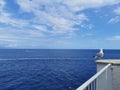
[(48, 69)]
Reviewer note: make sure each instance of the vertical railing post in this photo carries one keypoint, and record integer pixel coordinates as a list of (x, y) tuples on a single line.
[(109, 78)]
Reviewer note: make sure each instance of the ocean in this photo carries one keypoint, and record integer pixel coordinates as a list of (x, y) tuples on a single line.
[(48, 69)]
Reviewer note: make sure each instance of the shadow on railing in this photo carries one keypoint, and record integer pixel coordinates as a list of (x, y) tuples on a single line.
[(100, 81)]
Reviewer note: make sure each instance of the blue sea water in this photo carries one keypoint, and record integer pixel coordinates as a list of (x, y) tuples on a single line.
[(47, 69)]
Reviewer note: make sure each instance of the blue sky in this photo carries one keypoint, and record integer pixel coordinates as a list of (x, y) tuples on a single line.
[(60, 24)]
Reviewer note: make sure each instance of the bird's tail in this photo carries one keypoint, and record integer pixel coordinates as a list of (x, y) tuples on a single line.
[(94, 57)]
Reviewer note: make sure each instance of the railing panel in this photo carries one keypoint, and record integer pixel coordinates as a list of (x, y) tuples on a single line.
[(100, 81)]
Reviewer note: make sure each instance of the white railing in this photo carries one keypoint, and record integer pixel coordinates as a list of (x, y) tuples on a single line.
[(100, 81)]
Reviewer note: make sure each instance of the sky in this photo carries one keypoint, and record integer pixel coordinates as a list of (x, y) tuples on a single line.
[(60, 24)]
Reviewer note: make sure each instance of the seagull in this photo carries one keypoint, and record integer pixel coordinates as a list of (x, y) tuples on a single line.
[(99, 54)]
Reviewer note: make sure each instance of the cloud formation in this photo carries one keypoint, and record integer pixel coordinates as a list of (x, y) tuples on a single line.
[(61, 15), (55, 16), (117, 37), (38, 20), (115, 19), (117, 11)]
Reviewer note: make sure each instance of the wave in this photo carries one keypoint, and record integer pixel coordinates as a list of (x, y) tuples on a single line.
[(42, 59)]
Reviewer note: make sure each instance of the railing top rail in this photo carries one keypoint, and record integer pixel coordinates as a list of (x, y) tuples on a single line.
[(93, 78)]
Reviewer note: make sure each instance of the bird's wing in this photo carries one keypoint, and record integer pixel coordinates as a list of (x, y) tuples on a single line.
[(99, 54)]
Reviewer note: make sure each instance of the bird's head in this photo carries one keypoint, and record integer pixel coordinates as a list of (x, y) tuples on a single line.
[(101, 50)]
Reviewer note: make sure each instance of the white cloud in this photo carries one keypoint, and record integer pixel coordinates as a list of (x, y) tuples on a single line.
[(85, 4), (19, 34), (59, 23), (7, 19), (2, 4), (117, 37), (3, 36), (40, 28), (74, 5), (60, 15), (56, 15), (13, 38), (8, 40), (114, 20), (117, 11), (50, 18)]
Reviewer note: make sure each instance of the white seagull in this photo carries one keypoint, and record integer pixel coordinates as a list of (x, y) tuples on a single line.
[(99, 55)]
